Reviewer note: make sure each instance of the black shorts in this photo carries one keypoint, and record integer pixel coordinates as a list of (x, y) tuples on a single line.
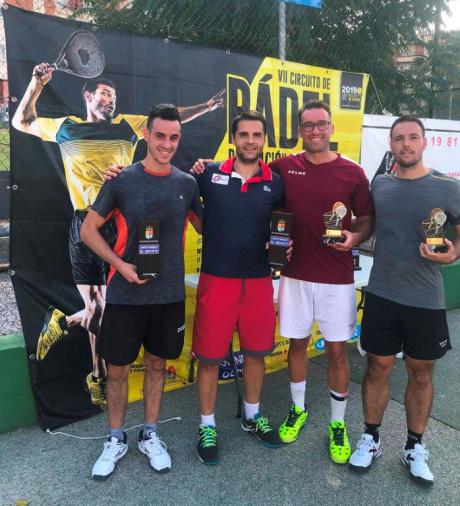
[(87, 267), (388, 328), (159, 327)]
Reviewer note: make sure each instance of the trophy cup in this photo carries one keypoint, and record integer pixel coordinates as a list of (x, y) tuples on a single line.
[(280, 232), (333, 223), (433, 229), (148, 253)]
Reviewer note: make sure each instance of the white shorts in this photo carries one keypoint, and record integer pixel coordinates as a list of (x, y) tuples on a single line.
[(333, 307)]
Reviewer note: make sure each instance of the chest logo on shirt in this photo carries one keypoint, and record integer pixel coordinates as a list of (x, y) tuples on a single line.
[(297, 172), (219, 179), (267, 189)]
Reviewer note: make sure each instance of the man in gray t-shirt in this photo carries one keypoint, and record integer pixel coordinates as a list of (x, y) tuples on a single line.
[(405, 308), (400, 273), (151, 194)]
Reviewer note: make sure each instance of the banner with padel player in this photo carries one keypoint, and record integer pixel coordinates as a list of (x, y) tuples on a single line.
[(79, 96)]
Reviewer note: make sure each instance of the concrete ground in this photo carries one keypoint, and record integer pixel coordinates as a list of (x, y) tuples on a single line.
[(53, 470)]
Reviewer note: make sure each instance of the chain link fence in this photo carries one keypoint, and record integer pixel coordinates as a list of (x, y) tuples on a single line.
[(352, 35), (448, 104)]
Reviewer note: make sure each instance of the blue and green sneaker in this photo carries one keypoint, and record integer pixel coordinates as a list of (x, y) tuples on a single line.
[(261, 429), (207, 445)]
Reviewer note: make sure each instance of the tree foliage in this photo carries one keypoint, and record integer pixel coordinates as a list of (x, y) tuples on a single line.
[(436, 73), (352, 35)]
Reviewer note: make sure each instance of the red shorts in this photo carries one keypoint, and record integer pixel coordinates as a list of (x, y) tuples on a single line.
[(226, 304)]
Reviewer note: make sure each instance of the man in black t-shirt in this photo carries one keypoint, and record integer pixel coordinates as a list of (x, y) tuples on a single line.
[(138, 311)]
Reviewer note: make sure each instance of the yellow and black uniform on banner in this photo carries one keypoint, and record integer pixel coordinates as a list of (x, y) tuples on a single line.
[(60, 152)]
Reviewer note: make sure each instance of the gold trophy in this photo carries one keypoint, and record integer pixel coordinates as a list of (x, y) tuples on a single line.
[(433, 229), (333, 223)]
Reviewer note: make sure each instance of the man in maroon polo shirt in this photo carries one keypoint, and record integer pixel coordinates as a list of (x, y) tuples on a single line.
[(318, 283)]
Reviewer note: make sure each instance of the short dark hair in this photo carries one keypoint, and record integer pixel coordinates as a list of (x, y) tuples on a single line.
[(408, 119), (92, 84), (164, 111), (251, 116), (314, 104)]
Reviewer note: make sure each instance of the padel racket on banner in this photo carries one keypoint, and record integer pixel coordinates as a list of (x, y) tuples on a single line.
[(81, 56)]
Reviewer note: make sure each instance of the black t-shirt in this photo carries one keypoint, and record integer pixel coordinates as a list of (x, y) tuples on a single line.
[(137, 194)]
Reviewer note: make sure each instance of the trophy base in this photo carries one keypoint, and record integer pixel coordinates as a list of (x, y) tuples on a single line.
[(438, 249), (436, 244), (147, 276), (333, 239)]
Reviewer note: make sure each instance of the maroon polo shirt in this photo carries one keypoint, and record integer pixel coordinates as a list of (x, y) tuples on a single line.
[(310, 191)]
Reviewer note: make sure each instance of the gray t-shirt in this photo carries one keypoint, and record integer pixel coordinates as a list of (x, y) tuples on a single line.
[(399, 272), (135, 195)]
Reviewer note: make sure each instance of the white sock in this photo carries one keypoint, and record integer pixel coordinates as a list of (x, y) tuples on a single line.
[(250, 410), (338, 405), (208, 420), (298, 394)]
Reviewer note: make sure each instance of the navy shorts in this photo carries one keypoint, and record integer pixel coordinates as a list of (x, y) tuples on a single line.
[(388, 328), (124, 328)]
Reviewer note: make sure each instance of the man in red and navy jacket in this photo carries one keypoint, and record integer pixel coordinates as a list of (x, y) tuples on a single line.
[(235, 287)]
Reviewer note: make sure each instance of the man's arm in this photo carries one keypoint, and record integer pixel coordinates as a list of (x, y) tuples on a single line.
[(195, 215), (452, 253), (361, 230), (362, 227), (194, 111), (26, 113), (91, 236), (196, 222)]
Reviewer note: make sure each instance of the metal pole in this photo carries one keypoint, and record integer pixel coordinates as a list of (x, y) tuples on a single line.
[(282, 31)]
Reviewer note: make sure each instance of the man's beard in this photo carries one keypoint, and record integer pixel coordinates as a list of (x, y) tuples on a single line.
[(316, 148), (407, 165), (245, 159), (106, 114)]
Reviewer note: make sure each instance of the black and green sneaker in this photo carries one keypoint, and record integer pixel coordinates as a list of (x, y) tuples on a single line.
[(207, 445), (261, 428), (339, 446)]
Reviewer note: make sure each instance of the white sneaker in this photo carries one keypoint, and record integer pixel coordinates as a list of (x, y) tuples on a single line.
[(113, 451), (156, 451), (366, 451), (417, 461)]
